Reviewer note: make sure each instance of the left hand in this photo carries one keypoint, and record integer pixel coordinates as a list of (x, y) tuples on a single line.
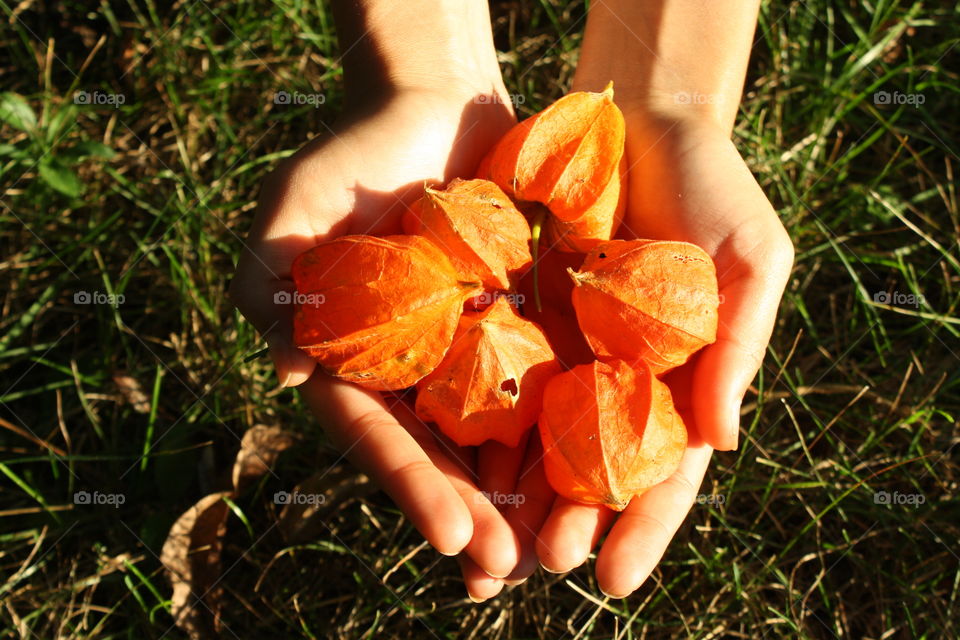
[(686, 182)]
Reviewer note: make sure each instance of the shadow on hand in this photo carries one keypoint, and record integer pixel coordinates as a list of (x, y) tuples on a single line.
[(379, 212)]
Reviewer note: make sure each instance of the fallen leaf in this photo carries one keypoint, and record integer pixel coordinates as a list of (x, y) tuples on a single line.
[(302, 518), (191, 552), (132, 392), (259, 449), (191, 556)]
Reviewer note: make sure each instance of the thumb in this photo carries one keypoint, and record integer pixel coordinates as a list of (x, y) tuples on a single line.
[(751, 284), (267, 301)]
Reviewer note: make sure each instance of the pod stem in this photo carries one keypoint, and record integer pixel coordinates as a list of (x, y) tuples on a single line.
[(535, 229)]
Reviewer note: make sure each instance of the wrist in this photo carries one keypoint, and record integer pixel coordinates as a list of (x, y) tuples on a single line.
[(670, 60), (655, 115), (653, 121), (659, 110), (437, 46)]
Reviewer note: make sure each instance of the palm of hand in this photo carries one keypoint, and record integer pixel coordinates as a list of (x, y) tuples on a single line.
[(686, 184), (357, 179), (690, 185)]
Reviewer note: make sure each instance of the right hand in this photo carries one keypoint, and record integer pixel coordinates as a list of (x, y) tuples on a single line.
[(356, 180)]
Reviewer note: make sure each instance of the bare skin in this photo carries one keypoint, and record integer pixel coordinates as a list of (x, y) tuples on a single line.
[(425, 101), (678, 68)]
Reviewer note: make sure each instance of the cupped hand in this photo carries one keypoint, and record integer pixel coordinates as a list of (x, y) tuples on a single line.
[(687, 182), (356, 179)]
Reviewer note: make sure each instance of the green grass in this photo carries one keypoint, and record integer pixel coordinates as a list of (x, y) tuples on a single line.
[(149, 200)]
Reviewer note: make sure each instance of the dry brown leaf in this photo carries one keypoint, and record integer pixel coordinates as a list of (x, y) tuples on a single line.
[(132, 392), (191, 553), (311, 500), (191, 556), (258, 453)]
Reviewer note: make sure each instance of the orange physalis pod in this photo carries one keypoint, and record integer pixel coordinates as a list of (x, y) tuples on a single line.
[(380, 312), (490, 384), (478, 227), (566, 158), (556, 314), (609, 432), (596, 225), (650, 299)]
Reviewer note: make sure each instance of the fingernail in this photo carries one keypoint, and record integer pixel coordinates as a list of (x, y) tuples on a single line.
[(735, 431), (514, 583), (524, 569), (449, 555), (549, 570), (610, 595), (475, 600)]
